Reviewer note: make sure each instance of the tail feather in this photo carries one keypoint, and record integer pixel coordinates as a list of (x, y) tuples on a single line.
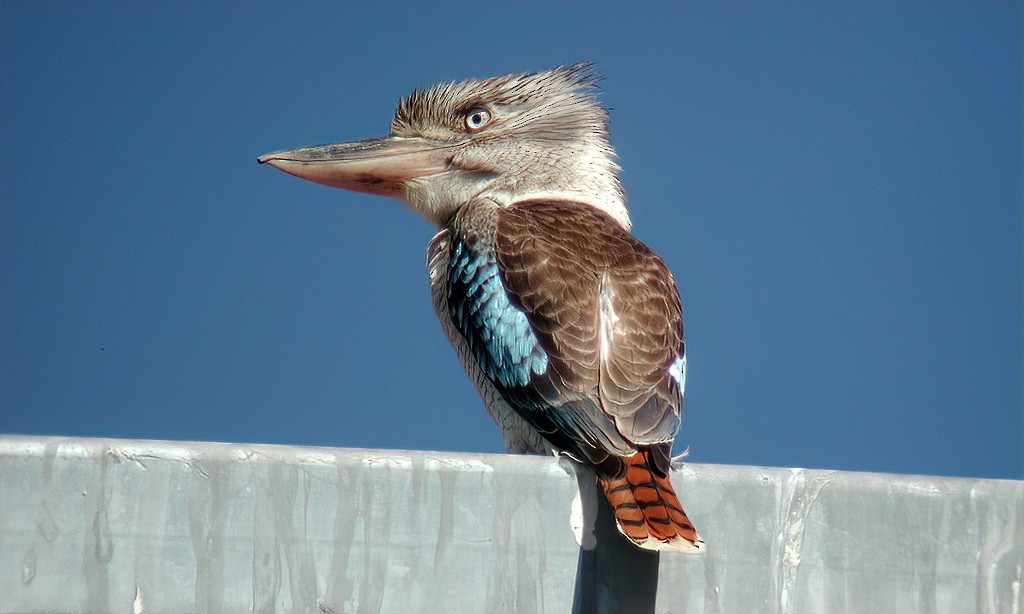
[(647, 510)]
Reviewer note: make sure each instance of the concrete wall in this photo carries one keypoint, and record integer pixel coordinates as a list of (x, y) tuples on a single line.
[(140, 526)]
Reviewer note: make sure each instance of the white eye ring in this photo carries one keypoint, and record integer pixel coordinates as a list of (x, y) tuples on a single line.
[(477, 119)]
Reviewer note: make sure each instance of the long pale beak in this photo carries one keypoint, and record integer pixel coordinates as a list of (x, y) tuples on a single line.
[(377, 166)]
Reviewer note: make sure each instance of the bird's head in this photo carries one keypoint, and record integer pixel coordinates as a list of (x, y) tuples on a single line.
[(509, 139)]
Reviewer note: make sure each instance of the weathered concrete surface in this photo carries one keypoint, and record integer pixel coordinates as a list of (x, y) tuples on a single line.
[(140, 526)]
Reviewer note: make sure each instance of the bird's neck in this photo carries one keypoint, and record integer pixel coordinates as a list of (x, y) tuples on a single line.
[(576, 177), (609, 202), (580, 178)]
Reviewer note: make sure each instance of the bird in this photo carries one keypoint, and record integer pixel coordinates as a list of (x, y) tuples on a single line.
[(570, 327)]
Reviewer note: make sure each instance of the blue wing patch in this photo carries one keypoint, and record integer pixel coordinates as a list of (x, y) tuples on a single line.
[(499, 334)]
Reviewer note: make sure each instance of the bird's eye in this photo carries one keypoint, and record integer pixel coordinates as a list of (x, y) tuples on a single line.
[(477, 119)]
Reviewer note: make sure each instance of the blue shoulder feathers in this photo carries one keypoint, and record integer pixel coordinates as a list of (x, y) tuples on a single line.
[(499, 334)]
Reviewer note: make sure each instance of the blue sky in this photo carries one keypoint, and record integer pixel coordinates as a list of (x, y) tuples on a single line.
[(837, 188)]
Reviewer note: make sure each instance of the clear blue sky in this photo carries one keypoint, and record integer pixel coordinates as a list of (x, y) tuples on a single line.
[(837, 188)]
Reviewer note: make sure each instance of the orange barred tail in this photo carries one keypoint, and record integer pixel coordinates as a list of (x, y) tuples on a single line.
[(647, 510)]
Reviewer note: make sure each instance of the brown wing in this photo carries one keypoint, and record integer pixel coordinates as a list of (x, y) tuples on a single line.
[(606, 310)]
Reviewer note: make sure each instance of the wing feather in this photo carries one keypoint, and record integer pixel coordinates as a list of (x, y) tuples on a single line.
[(575, 323), (606, 310)]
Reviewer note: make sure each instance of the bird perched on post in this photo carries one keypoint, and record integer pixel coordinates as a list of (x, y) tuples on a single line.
[(570, 327)]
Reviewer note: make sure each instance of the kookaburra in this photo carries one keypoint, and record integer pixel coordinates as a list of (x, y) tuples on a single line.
[(571, 328)]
